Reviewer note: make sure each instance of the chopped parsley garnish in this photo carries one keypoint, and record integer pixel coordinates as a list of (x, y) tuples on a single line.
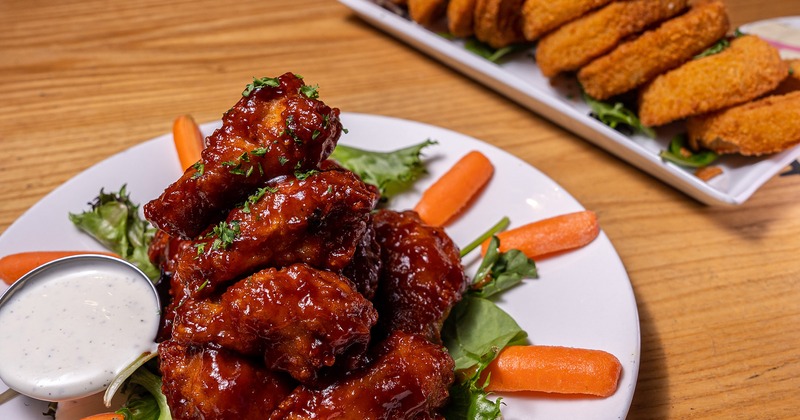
[(258, 83), (203, 286), (303, 175), (237, 168), (259, 151), (282, 160), (311, 92), (256, 196), (199, 167), (224, 234), (290, 131), (201, 248)]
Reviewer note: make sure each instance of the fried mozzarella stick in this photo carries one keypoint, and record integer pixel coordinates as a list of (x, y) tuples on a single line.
[(542, 16), (299, 319), (408, 378), (575, 44), (319, 220), (747, 69), (421, 274), (675, 42), (206, 383), (277, 127), (768, 125)]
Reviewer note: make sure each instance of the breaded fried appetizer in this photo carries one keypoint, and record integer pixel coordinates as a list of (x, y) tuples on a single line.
[(791, 83), (498, 22), (747, 69), (460, 17), (425, 12), (575, 44), (768, 125), (675, 42), (542, 16)]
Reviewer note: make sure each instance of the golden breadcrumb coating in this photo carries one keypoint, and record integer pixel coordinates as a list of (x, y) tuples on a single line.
[(575, 44), (791, 83), (460, 17), (747, 69), (498, 22), (425, 12), (673, 43), (768, 125), (542, 16)]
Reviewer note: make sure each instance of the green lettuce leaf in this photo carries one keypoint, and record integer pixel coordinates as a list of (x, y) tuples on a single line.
[(114, 221), (145, 400), (392, 172)]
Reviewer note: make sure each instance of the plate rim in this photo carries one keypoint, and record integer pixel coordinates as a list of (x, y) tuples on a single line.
[(602, 240)]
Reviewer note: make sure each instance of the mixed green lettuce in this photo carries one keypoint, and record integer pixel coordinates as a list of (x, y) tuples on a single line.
[(114, 221), (392, 172)]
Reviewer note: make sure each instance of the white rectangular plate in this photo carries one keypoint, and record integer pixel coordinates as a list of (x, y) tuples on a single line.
[(520, 80)]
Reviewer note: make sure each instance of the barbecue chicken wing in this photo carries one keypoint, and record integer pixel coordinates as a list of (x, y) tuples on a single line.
[(364, 269), (215, 384), (408, 378), (277, 128), (298, 318), (319, 220), (421, 275)]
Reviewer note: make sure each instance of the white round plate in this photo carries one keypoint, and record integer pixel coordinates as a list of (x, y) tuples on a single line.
[(581, 298)]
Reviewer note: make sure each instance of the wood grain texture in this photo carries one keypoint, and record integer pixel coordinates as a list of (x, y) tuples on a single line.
[(718, 288)]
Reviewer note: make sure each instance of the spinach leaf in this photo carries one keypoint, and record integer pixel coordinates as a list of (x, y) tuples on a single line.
[(500, 271), (477, 327)]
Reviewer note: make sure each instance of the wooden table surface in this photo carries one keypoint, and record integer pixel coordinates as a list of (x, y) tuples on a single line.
[(718, 288)]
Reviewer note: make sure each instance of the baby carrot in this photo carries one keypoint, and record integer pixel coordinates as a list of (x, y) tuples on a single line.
[(188, 140), (547, 236), (451, 193), (14, 266), (105, 416), (554, 369)]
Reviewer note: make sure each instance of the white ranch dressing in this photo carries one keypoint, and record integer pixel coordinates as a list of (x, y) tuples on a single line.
[(73, 325)]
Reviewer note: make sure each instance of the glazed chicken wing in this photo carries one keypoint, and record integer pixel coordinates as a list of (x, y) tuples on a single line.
[(318, 220), (277, 128), (408, 378), (421, 276), (215, 384), (364, 269), (298, 318)]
